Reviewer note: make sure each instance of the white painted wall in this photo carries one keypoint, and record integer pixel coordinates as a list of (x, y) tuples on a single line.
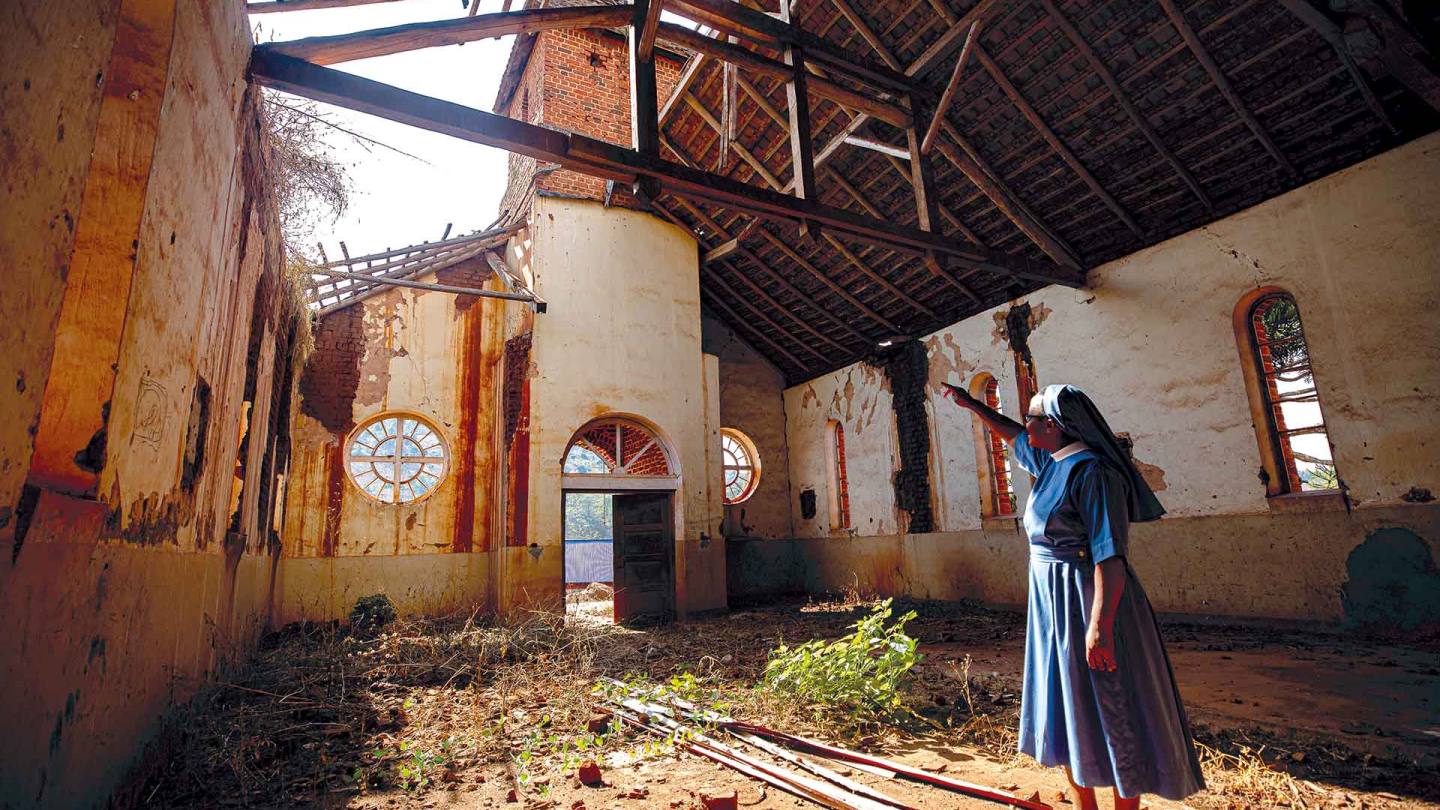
[(1151, 341), (622, 336)]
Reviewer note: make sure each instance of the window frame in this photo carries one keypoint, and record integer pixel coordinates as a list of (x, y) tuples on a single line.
[(430, 424), (839, 477), (1281, 474), (752, 455), (987, 476)]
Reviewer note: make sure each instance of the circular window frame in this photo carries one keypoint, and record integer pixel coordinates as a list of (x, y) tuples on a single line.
[(428, 423), (748, 446)]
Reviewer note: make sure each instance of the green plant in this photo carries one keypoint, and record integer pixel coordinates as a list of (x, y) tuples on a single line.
[(858, 676), (418, 766)]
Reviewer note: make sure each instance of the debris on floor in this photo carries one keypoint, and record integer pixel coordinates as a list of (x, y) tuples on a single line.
[(464, 712)]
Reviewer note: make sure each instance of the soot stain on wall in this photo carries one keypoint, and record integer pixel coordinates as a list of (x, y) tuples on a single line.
[(1393, 583), (907, 369)]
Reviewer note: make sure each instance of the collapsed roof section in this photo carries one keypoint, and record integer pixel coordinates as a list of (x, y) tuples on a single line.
[(335, 285)]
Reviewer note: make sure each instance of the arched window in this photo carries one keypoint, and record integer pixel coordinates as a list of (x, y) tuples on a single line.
[(1290, 424), (741, 465), (617, 449), (839, 480), (997, 484), (396, 457)]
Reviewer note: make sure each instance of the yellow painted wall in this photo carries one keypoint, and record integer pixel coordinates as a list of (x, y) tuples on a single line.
[(622, 336), (122, 601)]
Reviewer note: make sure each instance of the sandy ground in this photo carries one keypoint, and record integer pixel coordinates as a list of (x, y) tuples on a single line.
[(1287, 718)]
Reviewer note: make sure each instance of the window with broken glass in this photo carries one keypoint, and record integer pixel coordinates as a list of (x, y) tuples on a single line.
[(1292, 402)]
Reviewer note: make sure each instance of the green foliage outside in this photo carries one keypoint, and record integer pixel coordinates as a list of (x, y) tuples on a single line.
[(588, 516), (858, 676)]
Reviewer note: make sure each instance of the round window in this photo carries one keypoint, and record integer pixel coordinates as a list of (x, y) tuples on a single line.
[(742, 465), (397, 458)]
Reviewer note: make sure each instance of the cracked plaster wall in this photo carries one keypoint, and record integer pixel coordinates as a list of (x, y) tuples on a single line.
[(1151, 341)]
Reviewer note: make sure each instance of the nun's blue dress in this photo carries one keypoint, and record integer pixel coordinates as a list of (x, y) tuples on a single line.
[(1124, 729)]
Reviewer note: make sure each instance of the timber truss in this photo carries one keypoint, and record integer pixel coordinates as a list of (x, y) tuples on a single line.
[(967, 157)]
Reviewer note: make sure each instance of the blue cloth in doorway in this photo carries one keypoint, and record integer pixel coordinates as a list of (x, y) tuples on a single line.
[(1125, 729)]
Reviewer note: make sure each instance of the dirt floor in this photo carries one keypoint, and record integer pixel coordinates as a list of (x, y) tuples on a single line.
[(456, 713)]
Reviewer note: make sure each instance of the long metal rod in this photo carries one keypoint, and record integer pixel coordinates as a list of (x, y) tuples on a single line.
[(423, 285)]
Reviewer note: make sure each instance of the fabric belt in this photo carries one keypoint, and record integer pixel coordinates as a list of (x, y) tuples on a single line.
[(1076, 555)]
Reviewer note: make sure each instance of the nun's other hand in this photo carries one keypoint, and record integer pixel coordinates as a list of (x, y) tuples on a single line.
[(1100, 650)]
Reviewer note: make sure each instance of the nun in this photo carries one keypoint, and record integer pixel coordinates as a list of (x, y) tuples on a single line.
[(1099, 697)]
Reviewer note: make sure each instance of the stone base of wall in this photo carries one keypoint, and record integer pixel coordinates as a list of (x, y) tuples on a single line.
[(1374, 569)]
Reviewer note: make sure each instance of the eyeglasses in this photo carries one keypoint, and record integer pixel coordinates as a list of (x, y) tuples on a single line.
[(1030, 416)]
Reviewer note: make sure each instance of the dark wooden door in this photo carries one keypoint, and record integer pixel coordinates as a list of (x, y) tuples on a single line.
[(644, 559)]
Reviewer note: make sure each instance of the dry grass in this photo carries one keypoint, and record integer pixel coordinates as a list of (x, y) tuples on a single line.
[(423, 703)]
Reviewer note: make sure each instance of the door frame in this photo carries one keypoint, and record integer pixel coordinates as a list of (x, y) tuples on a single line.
[(644, 485)]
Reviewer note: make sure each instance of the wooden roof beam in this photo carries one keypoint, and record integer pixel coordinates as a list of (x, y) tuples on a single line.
[(794, 256), (1005, 200), (760, 27), (1033, 116), (1333, 34), (1123, 99), (884, 110), (330, 50), (868, 34), (305, 5), (990, 184), (649, 26), (737, 322), (948, 96), (605, 160), (869, 272), (959, 27), (781, 281), (1217, 76)]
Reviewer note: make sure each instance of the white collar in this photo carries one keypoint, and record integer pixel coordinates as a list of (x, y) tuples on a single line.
[(1069, 450)]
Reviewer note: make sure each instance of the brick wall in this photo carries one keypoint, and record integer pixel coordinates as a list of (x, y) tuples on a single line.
[(578, 81), (332, 375)]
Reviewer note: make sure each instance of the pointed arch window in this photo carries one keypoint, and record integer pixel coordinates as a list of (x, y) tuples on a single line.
[(1290, 425)]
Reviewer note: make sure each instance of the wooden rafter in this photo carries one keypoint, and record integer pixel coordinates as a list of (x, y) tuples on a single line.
[(867, 33), (940, 48), (1332, 33), (757, 26), (1123, 99), (330, 50), (869, 272), (886, 111), (306, 5), (779, 280), (793, 255), (737, 322), (1058, 146), (608, 161), (948, 96), (1005, 200), (1222, 83), (988, 182)]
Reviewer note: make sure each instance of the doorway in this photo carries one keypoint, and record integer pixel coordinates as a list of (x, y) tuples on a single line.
[(619, 483), (619, 558)]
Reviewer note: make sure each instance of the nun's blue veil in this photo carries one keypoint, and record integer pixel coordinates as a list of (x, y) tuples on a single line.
[(1079, 417)]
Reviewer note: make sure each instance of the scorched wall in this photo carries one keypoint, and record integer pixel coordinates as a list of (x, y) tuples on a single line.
[(1151, 340)]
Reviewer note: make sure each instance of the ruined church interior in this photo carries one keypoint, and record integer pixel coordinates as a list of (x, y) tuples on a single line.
[(678, 475)]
